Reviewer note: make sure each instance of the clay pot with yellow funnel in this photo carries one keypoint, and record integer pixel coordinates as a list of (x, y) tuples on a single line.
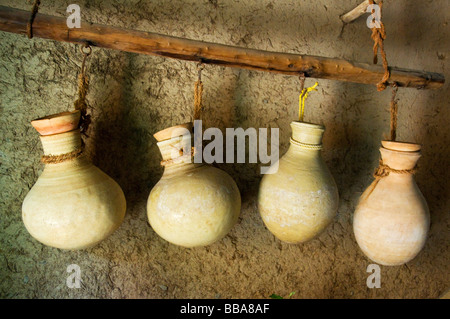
[(298, 198)]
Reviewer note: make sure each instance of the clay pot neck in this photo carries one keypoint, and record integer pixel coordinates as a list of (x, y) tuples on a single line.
[(175, 141), (306, 137), (400, 156), (177, 154), (174, 148), (62, 143)]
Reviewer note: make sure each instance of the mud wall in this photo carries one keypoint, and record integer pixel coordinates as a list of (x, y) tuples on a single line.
[(133, 96)]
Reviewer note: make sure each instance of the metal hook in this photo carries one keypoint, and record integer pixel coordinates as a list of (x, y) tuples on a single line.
[(86, 46), (200, 68), (302, 79)]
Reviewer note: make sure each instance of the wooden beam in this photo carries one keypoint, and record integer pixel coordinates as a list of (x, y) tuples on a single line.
[(55, 28)]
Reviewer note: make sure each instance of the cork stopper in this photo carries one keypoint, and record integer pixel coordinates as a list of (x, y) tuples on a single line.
[(173, 131), (57, 123), (401, 146)]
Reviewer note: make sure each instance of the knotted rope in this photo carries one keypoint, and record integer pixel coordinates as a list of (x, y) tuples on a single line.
[(303, 96), (378, 36), (198, 92), (83, 86), (81, 105), (34, 11), (394, 113), (384, 170)]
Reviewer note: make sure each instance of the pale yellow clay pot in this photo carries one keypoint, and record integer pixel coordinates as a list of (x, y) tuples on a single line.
[(73, 205), (192, 204), (391, 221), (301, 199)]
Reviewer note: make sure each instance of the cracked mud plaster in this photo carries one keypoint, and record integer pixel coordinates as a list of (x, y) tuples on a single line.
[(133, 96)]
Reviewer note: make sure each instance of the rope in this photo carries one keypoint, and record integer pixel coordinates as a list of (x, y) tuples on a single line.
[(34, 11), (315, 147), (302, 79), (384, 170), (302, 98), (378, 36), (83, 86), (56, 159), (394, 113), (198, 92)]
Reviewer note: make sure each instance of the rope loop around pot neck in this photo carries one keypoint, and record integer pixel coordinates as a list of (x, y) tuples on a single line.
[(314, 147), (384, 170), (56, 159)]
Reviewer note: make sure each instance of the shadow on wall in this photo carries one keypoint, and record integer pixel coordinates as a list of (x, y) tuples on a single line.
[(433, 176), (123, 149)]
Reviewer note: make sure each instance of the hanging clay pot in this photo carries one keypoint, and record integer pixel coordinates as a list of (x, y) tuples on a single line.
[(392, 218), (73, 205), (300, 199), (192, 204)]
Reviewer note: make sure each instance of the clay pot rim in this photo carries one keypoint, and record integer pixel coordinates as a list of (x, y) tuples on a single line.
[(166, 134), (57, 123), (52, 116), (405, 147), (308, 125), (60, 135)]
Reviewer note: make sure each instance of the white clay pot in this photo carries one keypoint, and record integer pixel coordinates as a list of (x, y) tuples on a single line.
[(192, 204), (300, 199), (392, 219), (73, 205)]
